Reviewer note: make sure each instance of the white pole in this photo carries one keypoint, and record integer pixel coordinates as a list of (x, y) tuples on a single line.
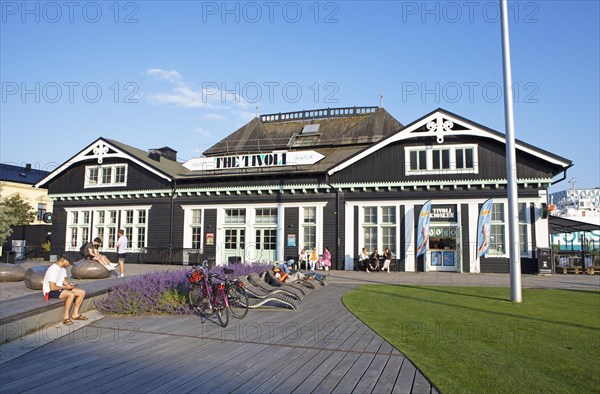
[(511, 163)]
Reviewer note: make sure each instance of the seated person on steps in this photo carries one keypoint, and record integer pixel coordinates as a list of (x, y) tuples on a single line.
[(93, 253), (374, 261), (56, 285)]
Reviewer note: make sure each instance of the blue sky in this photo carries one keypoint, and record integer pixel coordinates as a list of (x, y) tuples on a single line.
[(187, 73)]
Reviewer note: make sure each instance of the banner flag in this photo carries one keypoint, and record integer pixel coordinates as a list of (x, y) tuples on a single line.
[(483, 227), (423, 229)]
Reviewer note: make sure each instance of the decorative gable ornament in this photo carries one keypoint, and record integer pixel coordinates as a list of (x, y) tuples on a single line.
[(101, 150), (439, 126)]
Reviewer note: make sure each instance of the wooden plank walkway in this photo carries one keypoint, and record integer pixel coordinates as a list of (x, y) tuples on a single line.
[(322, 348)]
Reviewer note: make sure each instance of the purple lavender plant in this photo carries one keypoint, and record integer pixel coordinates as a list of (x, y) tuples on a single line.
[(161, 292)]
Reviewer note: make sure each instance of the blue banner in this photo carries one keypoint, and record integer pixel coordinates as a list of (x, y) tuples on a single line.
[(423, 229), (484, 226)]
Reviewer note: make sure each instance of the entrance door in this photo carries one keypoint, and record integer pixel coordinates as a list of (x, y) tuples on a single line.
[(443, 253), (266, 244), (235, 244)]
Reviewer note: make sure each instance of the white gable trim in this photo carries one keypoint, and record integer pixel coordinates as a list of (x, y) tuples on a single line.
[(100, 150), (440, 124)]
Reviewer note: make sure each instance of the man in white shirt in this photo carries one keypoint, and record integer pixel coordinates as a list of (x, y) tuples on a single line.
[(122, 251), (56, 285)]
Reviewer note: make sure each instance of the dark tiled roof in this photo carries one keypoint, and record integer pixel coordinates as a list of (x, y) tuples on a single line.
[(168, 167), (332, 157), (18, 174), (259, 136)]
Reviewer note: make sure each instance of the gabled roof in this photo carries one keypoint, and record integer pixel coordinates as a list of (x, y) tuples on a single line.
[(336, 127), (17, 174), (104, 148), (441, 123)]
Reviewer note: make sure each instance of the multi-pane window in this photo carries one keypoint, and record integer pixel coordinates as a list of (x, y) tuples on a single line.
[(370, 228), (85, 225), (441, 159), (196, 225), (418, 160), (497, 231), (388, 228), (78, 228), (463, 157), (266, 239), (523, 238), (235, 216), (266, 216), (458, 159), (106, 175), (41, 211), (309, 228), (379, 228), (140, 227)]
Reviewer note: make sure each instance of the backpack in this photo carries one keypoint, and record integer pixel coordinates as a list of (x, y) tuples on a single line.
[(83, 249)]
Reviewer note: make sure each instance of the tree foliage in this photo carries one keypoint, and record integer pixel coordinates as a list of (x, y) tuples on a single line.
[(14, 211)]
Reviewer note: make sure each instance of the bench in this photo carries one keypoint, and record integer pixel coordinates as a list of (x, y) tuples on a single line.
[(23, 315)]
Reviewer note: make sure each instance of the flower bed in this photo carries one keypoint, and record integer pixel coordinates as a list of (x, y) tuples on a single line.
[(160, 292)]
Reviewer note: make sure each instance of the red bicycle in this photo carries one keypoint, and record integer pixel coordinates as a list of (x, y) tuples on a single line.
[(207, 297)]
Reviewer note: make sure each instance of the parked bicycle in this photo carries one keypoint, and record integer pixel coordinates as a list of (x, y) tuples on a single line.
[(237, 298), (208, 297)]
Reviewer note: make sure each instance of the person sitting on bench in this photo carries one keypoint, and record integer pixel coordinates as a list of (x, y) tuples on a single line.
[(93, 253), (56, 285), (374, 261)]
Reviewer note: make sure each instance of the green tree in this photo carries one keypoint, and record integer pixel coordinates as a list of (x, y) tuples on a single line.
[(19, 210), (6, 221)]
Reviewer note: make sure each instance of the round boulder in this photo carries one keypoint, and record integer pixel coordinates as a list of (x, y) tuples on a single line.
[(34, 277), (89, 269), (11, 273)]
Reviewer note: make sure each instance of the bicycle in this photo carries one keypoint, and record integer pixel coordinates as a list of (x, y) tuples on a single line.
[(207, 297), (237, 298)]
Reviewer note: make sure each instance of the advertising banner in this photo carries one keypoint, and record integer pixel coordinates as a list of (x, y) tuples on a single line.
[(484, 227), (423, 229)]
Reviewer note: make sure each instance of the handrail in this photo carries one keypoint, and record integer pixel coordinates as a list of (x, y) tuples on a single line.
[(322, 113)]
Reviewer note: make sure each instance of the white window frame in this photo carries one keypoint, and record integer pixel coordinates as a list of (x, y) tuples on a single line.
[(100, 182), (379, 225), (306, 225), (429, 151), (93, 226)]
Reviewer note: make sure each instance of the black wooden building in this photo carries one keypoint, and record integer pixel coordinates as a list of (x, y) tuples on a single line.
[(343, 178)]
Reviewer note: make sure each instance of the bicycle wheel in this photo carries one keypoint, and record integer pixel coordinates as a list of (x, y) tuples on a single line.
[(238, 301), (221, 309), (196, 296)]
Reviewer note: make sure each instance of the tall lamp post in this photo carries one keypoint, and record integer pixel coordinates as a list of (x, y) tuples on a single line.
[(511, 162)]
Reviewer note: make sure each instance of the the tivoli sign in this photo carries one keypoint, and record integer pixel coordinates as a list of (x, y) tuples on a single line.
[(255, 160)]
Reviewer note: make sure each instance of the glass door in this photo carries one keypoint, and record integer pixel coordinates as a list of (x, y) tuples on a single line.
[(266, 244), (235, 244), (443, 252)]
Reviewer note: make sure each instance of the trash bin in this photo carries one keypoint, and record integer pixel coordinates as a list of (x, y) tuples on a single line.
[(544, 257), (8, 256)]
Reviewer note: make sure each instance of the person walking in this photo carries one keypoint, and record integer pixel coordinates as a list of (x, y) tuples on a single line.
[(122, 251)]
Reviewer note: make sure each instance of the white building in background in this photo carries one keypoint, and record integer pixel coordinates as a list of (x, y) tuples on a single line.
[(582, 205)]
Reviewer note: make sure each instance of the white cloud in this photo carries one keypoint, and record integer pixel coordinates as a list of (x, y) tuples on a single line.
[(172, 75), (214, 117), (184, 95)]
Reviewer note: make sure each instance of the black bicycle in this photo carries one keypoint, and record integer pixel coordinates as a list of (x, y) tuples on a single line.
[(237, 298)]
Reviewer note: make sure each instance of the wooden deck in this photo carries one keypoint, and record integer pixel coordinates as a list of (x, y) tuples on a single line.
[(322, 348)]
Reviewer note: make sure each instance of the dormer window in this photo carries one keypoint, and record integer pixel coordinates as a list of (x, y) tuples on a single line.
[(106, 175), (453, 159)]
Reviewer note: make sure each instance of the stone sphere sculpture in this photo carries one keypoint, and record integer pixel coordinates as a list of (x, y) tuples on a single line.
[(34, 277), (89, 269), (11, 273)]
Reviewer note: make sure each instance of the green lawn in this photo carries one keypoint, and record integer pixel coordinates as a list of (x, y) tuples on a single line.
[(473, 339)]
